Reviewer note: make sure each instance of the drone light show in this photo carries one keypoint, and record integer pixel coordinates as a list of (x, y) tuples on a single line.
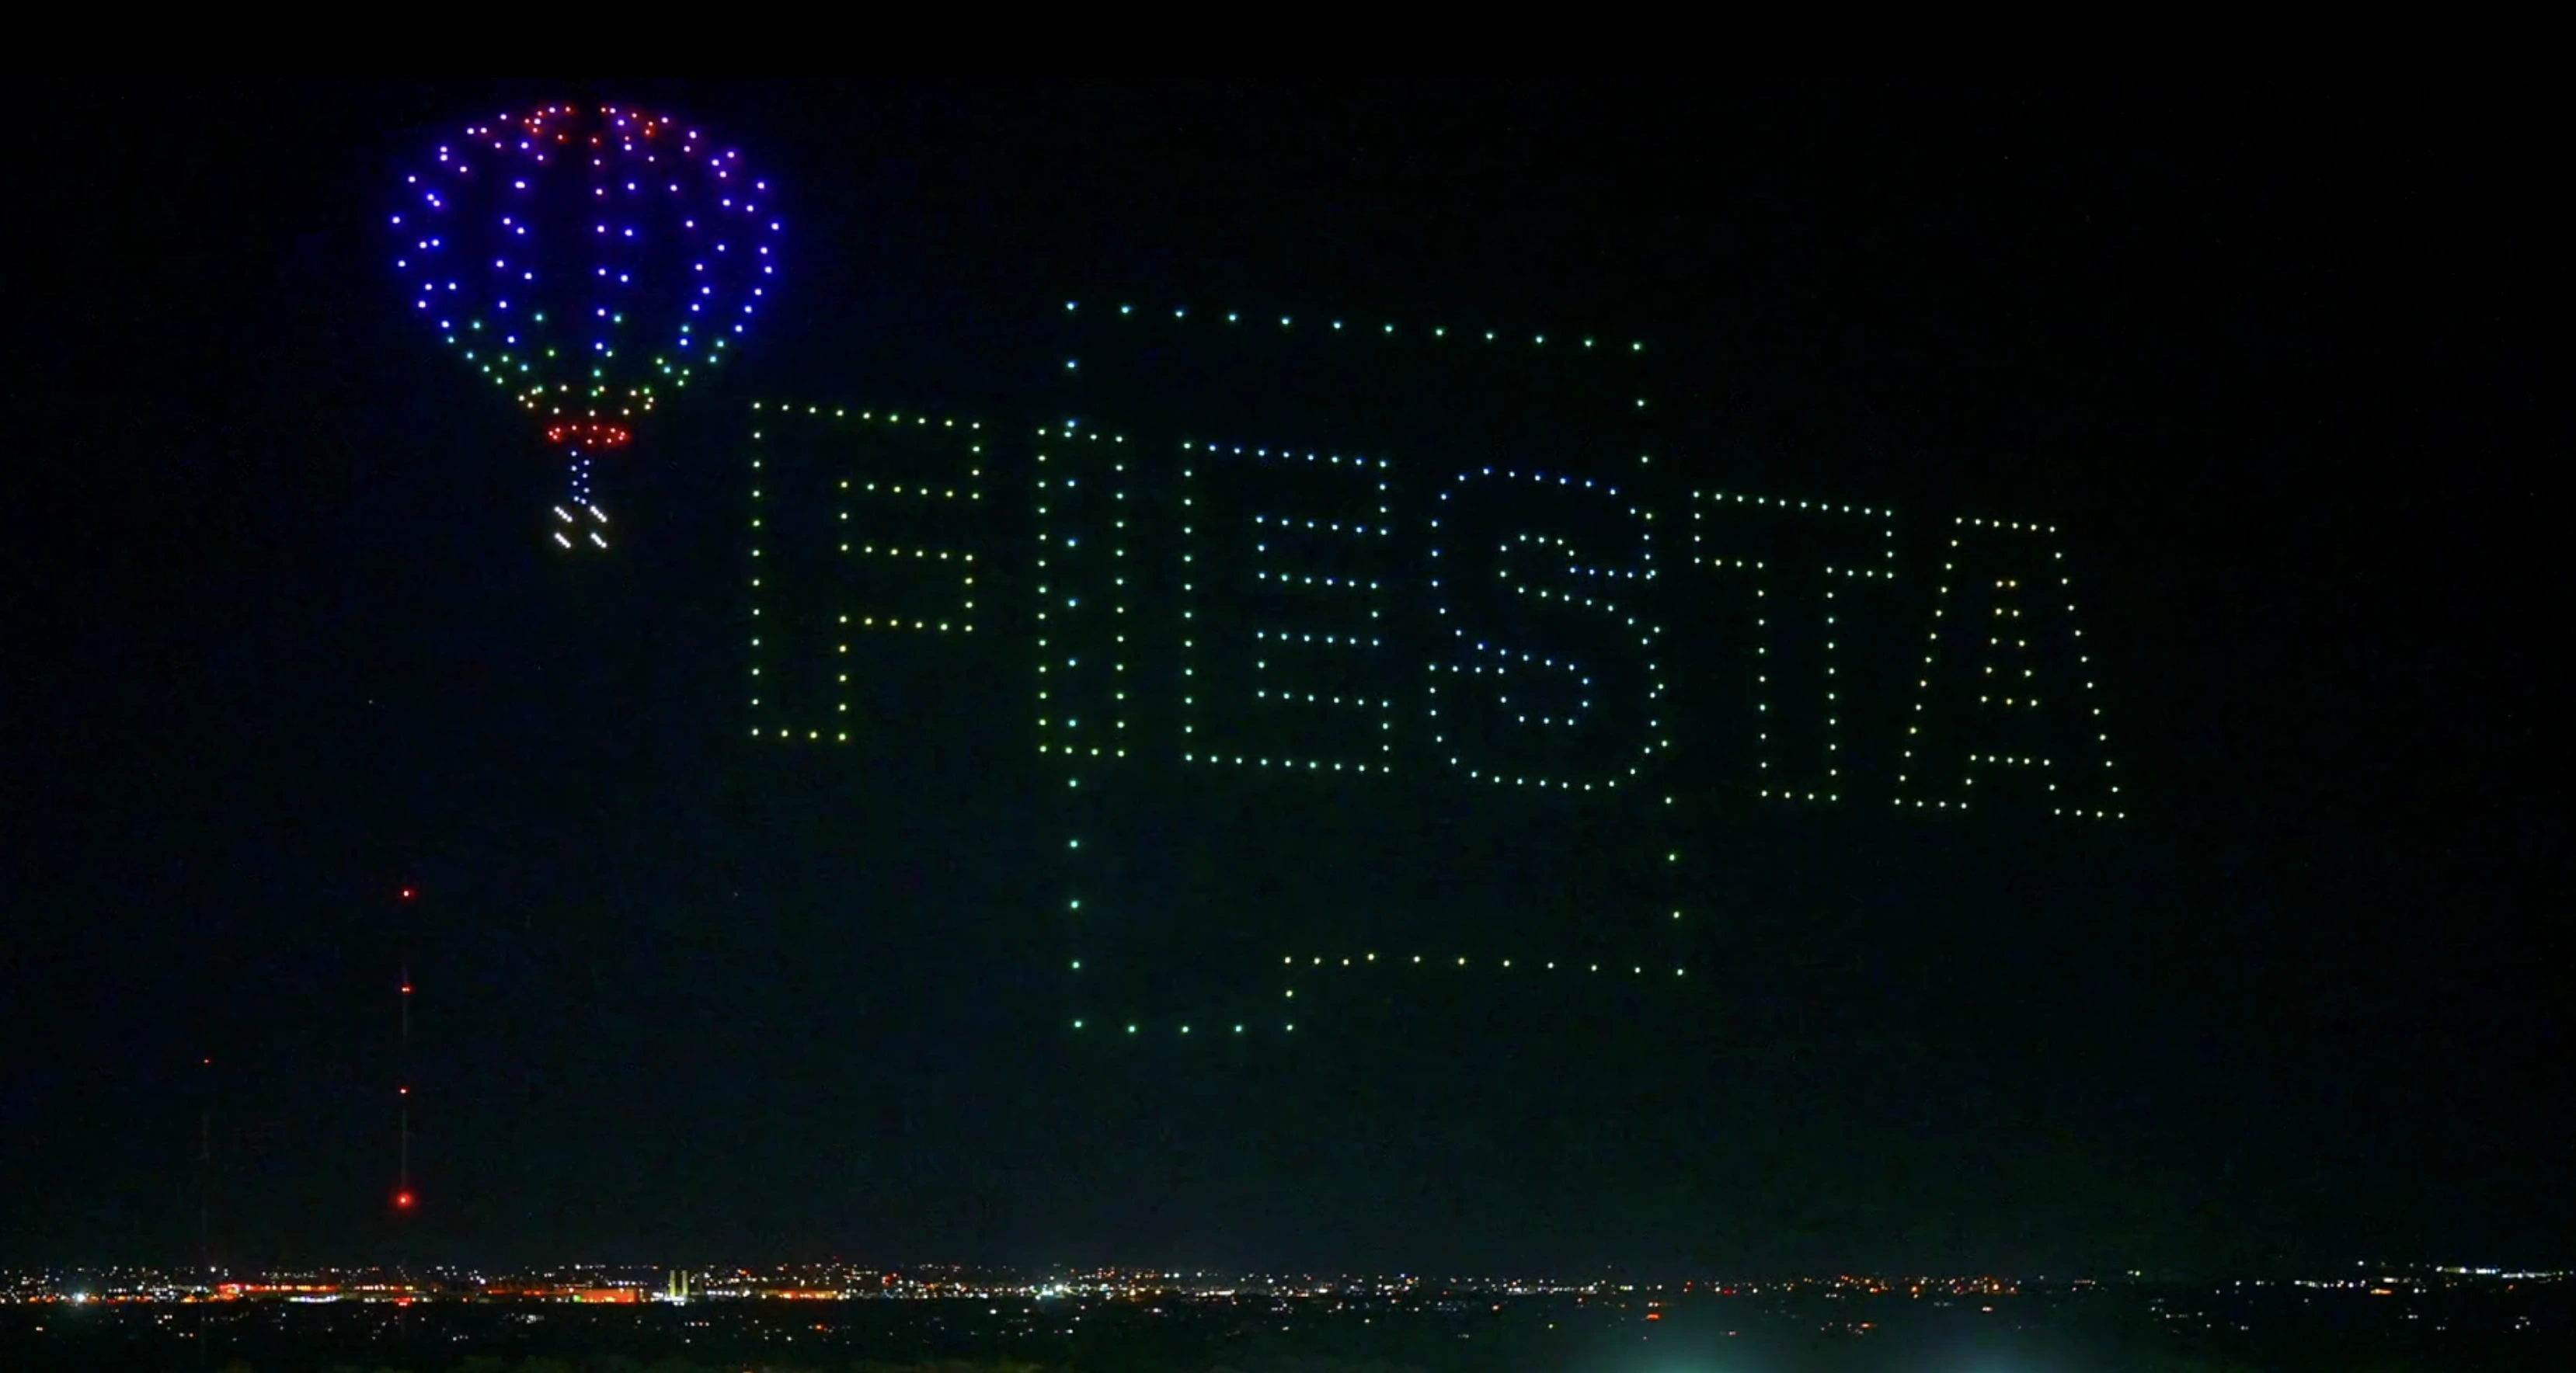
[(589, 260), (1363, 656)]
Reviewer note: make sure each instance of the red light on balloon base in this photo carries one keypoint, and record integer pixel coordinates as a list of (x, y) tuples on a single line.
[(589, 436), (591, 286)]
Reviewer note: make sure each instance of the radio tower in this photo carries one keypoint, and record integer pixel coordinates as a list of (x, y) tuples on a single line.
[(403, 1199), (206, 1166), (206, 1283)]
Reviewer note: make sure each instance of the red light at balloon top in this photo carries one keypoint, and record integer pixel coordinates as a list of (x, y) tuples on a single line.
[(402, 1201), (407, 893)]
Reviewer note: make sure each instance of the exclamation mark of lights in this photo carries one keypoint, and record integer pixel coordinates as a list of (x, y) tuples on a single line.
[(1082, 596), (1048, 533)]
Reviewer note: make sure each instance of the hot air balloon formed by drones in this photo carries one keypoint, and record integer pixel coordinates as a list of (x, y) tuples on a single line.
[(589, 259)]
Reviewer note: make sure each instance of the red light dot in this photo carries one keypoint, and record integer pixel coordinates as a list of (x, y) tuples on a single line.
[(402, 1200)]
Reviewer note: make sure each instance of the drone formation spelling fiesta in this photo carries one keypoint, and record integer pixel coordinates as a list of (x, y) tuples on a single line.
[(591, 258)]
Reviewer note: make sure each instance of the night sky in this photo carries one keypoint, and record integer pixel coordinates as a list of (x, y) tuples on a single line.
[(285, 637)]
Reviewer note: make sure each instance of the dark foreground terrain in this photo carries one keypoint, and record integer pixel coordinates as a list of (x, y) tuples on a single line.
[(2131, 1330)]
